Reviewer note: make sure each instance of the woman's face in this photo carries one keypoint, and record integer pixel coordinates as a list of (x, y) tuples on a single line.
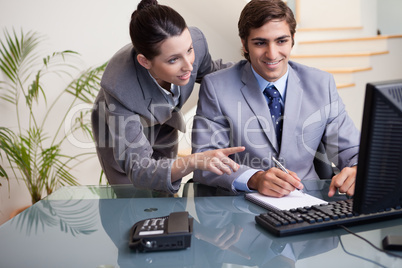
[(175, 62)]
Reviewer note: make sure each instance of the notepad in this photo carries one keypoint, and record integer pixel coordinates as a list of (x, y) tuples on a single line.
[(295, 199)]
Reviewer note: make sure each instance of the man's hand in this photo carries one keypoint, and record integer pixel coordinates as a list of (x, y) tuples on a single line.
[(344, 181), (274, 182)]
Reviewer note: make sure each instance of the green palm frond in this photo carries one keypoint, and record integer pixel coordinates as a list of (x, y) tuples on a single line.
[(18, 56), (14, 151), (3, 174), (34, 155), (42, 168), (86, 86), (54, 64)]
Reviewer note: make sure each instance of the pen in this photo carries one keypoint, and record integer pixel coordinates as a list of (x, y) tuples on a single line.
[(279, 165)]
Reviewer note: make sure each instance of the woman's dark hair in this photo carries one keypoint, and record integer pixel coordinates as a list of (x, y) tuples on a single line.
[(258, 12), (151, 24)]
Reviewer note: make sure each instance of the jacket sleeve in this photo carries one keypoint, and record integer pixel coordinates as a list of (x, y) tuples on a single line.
[(341, 137), (124, 148)]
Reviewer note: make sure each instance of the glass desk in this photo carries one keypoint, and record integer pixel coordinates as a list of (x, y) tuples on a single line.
[(88, 226)]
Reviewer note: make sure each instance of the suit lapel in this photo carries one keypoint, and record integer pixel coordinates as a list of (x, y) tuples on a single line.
[(258, 105), (294, 94), (158, 106)]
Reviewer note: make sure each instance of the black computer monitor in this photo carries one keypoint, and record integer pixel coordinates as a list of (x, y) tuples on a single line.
[(379, 171)]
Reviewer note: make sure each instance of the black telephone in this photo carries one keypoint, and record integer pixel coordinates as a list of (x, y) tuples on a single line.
[(164, 233)]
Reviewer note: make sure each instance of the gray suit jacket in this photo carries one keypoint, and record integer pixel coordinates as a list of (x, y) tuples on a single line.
[(135, 128), (232, 111)]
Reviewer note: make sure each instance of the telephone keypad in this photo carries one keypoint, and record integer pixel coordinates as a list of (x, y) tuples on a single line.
[(153, 226)]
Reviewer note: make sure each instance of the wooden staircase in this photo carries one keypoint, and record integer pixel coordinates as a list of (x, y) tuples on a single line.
[(344, 58), (344, 41), (353, 63)]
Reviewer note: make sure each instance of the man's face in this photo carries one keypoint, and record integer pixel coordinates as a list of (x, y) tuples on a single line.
[(269, 48)]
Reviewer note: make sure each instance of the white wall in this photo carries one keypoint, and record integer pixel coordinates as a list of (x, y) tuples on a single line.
[(96, 29), (389, 16)]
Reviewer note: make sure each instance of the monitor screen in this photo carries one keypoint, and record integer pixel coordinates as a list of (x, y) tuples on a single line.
[(379, 170)]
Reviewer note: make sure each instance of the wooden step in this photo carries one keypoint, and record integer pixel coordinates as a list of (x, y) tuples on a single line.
[(347, 75), (368, 38), (372, 44), (339, 55), (329, 29), (347, 70), (344, 85), (337, 60), (312, 34)]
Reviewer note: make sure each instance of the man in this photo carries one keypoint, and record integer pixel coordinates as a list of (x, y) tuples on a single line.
[(236, 109)]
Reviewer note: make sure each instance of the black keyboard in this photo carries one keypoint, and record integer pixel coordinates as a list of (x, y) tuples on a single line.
[(319, 217)]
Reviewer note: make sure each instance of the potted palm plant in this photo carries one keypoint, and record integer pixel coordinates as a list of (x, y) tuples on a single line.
[(28, 150)]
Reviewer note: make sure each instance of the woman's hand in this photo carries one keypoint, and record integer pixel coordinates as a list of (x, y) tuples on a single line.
[(223, 238), (216, 161)]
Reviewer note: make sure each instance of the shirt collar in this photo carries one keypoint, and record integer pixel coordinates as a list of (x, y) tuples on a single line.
[(172, 99), (280, 84)]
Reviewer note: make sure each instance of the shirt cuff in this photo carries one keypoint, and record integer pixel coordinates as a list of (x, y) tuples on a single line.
[(240, 183)]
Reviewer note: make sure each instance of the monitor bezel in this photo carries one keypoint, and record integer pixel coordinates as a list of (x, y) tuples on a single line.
[(361, 203)]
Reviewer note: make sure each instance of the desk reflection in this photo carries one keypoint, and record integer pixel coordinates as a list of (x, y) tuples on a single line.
[(92, 232), (224, 233), (71, 216)]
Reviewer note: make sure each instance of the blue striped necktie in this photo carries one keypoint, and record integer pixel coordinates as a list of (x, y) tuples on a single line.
[(276, 108)]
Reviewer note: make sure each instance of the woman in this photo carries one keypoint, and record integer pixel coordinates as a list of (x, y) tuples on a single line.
[(137, 116)]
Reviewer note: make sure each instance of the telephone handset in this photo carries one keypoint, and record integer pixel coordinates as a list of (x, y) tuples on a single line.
[(164, 233)]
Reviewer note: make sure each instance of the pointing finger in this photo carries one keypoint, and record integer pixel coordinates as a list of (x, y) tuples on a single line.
[(233, 150)]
